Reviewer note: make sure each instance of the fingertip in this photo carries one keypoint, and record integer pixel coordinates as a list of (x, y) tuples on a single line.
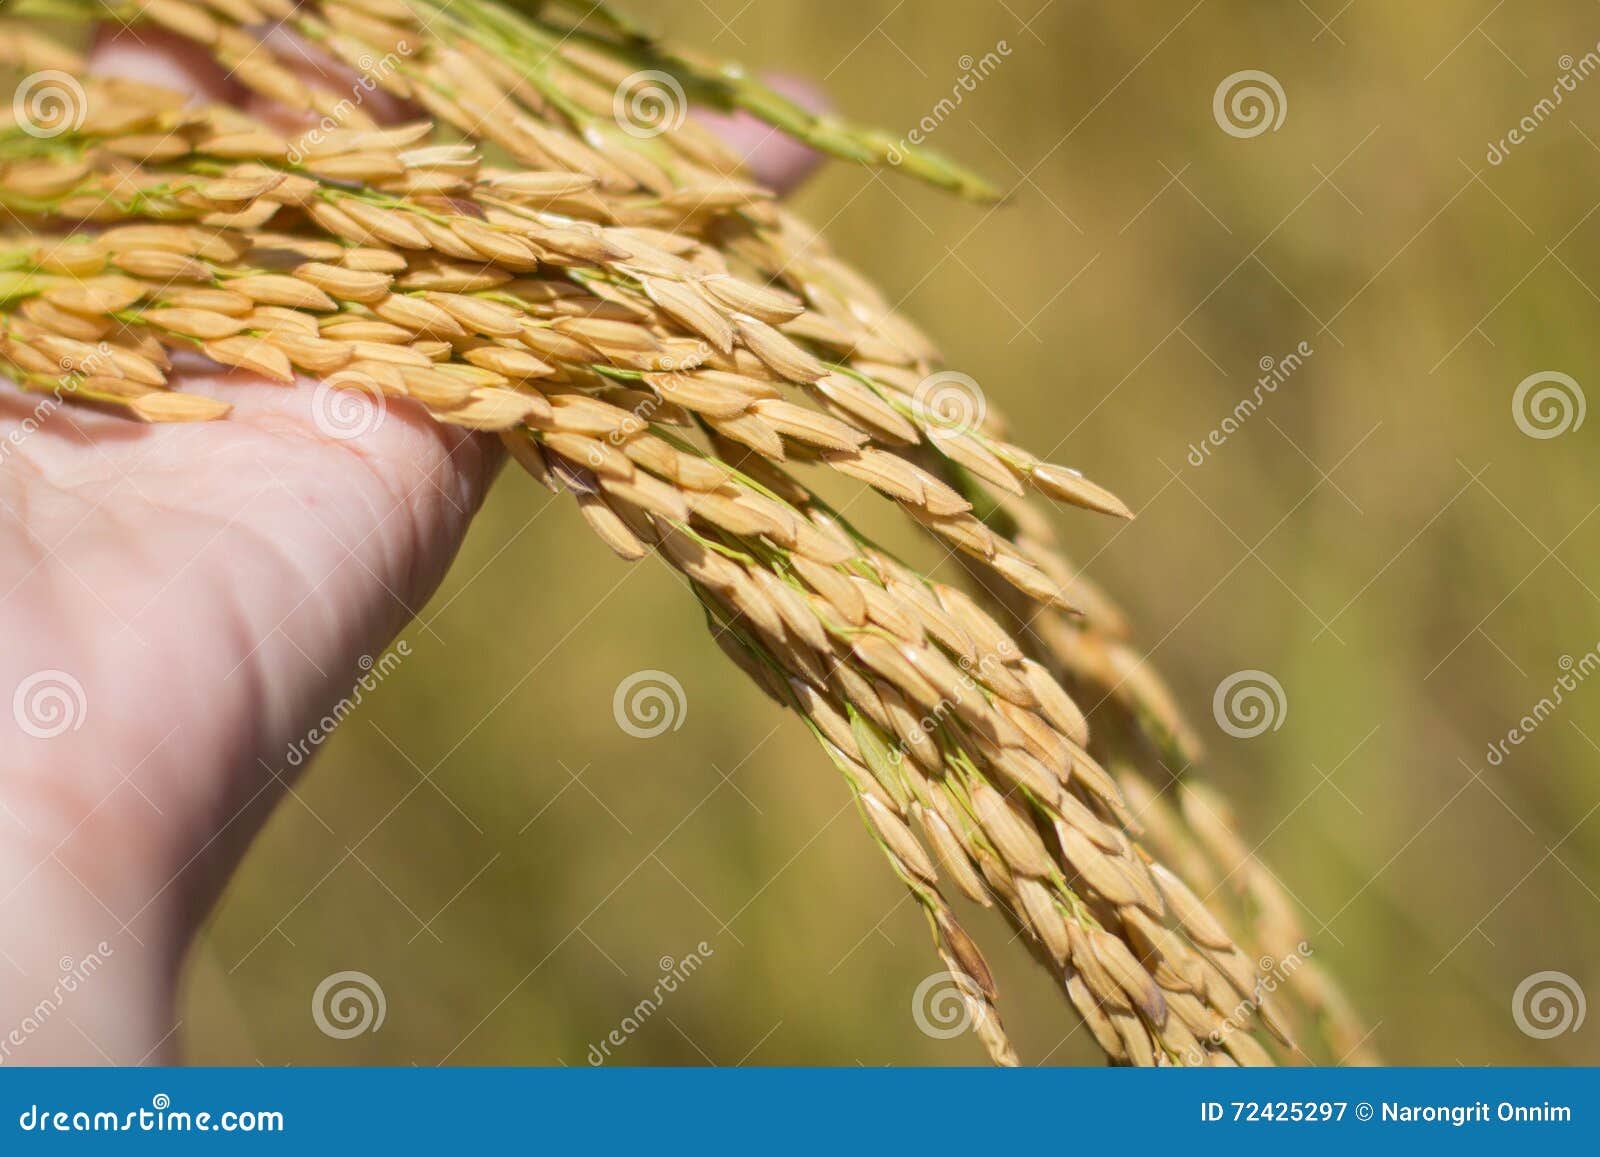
[(778, 160), (153, 56)]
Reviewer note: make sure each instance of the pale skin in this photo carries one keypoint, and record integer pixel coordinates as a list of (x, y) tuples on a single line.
[(212, 589)]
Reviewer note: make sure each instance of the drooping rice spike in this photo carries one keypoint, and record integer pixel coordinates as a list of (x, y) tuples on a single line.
[(644, 327)]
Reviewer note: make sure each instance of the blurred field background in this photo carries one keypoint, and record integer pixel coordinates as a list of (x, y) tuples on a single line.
[(1380, 536)]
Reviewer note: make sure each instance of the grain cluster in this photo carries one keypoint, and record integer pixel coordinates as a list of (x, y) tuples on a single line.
[(647, 330)]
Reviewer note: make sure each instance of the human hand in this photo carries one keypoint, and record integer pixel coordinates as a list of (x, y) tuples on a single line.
[(178, 605)]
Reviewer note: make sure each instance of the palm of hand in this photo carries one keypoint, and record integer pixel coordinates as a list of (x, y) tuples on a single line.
[(177, 604)]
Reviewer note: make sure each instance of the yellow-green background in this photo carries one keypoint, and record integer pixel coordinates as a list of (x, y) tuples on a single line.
[(1116, 308)]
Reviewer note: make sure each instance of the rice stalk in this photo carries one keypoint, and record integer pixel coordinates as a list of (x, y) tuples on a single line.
[(645, 327)]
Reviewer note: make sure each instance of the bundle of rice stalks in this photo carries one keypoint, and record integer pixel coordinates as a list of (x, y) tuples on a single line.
[(548, 249)]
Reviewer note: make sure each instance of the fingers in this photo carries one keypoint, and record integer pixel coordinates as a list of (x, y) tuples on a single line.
[(407, 446), (152, 56), (775, 159), (442, 472), (162, 58)]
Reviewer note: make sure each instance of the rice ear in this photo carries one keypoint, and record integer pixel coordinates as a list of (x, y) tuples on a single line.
[(641, 325)]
